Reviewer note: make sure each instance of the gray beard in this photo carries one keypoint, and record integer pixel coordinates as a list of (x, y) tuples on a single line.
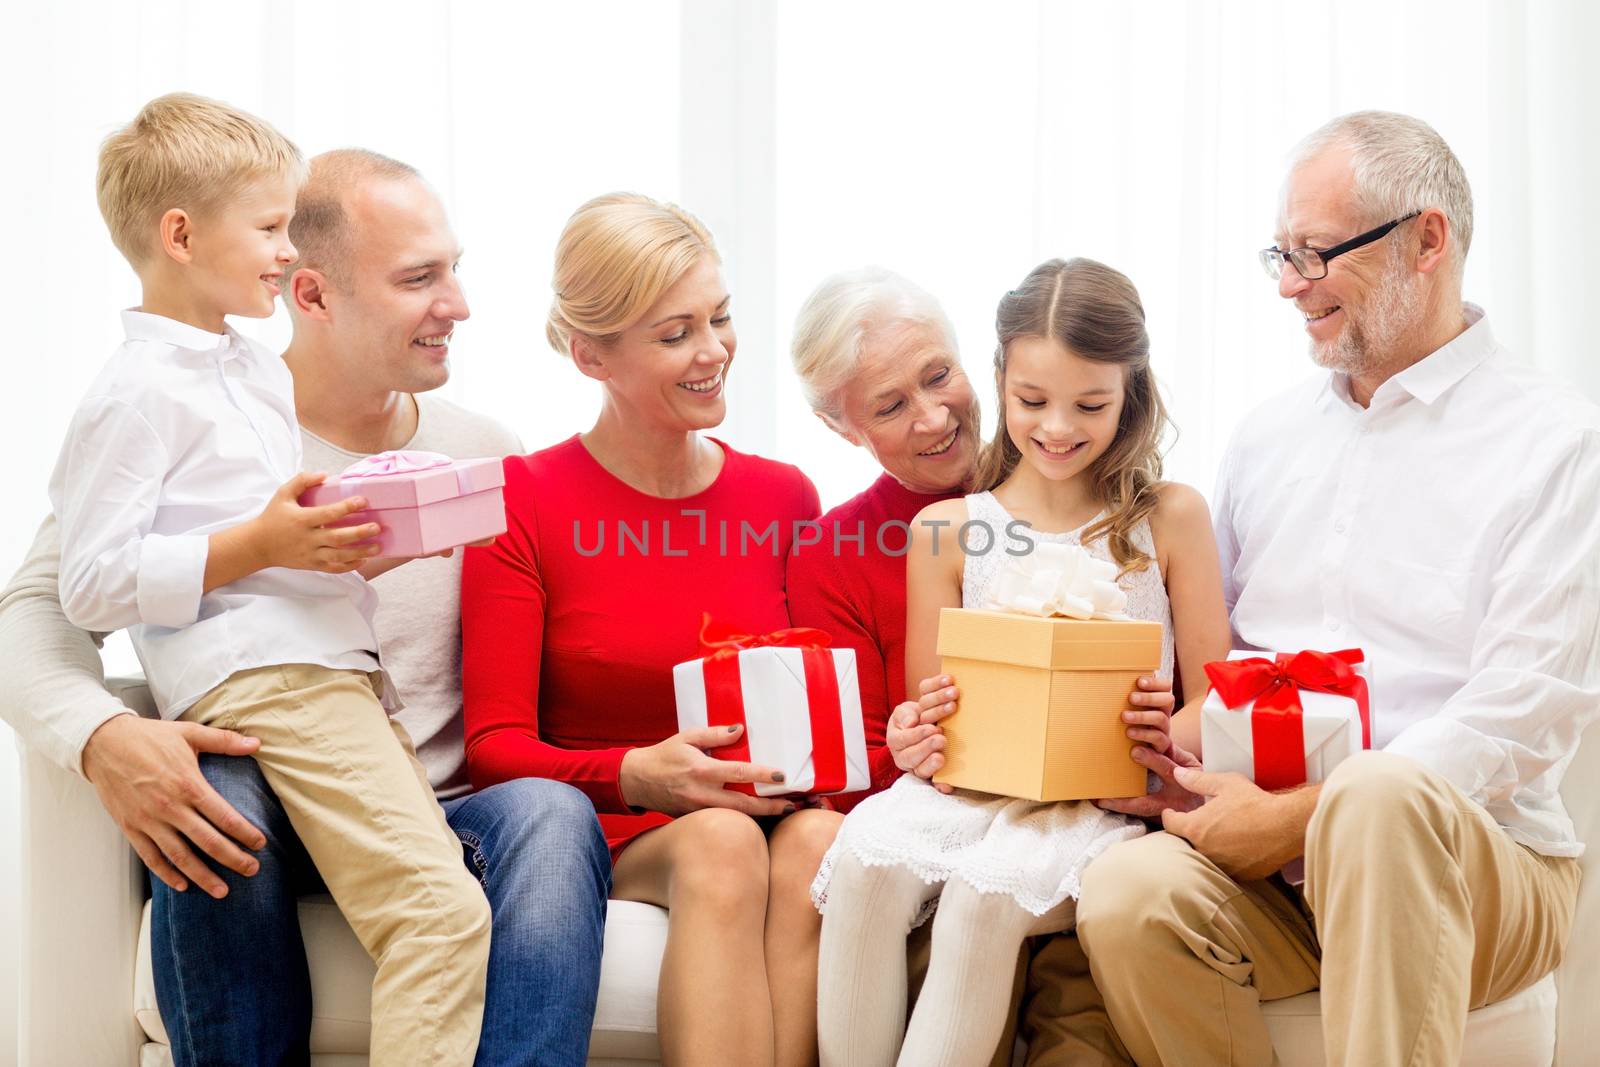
[(1364, 347)]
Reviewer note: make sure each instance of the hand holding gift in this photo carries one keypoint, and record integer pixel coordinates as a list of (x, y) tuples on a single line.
[(917, 741), (1046, 674), (798, 700), (424, 502), (914, 735), (291, 534)]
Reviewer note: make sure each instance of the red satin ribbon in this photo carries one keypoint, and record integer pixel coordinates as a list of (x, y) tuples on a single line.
[(720, 646), (1277, 724)]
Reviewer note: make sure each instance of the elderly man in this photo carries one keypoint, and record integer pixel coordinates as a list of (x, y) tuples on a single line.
[(1437, 505), (374, 301)]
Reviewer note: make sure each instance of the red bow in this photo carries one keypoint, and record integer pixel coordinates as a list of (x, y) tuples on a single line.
[(720, 639), (1276, 724), (720, 645)]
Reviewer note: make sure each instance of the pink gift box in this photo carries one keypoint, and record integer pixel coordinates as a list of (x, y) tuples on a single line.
[(424, 501)]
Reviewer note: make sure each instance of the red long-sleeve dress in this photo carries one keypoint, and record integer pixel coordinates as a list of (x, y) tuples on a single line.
[(852, 584), (572, 621)]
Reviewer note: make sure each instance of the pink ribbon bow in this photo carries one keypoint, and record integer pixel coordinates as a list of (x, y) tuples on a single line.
[(395, 462)]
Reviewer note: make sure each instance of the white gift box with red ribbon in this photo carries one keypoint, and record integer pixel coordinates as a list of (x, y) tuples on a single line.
[(798, 701), (1287, 719)]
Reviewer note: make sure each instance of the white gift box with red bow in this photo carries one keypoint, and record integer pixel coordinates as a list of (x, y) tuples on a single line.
[(800, 708), (1285, 720)]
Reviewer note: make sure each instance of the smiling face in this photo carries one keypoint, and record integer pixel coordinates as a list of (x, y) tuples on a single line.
[(397, 300), (909, 403), (669, 369), (1359, 316), (239, 250), (1061, 410)]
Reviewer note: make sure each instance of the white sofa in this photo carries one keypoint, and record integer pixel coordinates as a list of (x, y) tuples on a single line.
[(87, 996)]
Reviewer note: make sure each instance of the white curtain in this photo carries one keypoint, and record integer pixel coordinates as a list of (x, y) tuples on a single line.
[(959, 144), (963, 146)]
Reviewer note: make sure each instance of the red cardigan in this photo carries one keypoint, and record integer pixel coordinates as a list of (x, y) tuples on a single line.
[(568, 642), (856, 591)]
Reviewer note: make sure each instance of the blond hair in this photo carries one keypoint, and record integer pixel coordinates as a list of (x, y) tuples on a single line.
[(183, 151), (617, 255), (843, 316), (1094, 312)]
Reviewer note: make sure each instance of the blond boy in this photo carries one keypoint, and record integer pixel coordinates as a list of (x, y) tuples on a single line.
[(176, 492)]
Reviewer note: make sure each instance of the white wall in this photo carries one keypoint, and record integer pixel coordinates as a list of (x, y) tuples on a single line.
[(957, 143)]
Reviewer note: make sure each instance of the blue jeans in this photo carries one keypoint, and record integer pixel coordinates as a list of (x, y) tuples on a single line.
[(231, 974)]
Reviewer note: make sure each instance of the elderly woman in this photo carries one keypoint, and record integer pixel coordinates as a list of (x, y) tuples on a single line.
[(573, 620), (878, 362)]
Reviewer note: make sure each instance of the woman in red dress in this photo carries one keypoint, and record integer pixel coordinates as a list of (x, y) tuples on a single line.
[(617, 541)]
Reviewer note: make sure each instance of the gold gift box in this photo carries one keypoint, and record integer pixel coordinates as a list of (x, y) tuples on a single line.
[(1040, 713)]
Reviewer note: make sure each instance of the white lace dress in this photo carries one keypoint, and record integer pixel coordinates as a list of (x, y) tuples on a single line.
[(1034, 852)]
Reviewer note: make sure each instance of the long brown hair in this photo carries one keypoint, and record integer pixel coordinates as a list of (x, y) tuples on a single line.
[(1094, 312)]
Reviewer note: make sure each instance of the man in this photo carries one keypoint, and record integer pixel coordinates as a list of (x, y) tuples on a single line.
[(1438, 506), (374, 301)]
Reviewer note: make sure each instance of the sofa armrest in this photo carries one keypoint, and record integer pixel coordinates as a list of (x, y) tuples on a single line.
[(82, 890)]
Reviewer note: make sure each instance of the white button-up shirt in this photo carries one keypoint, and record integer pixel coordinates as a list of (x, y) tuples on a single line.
[(1451, 530), (183, 434)]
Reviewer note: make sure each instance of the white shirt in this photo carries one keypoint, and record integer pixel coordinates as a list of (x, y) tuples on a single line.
[(183, 434), (1451, 530)]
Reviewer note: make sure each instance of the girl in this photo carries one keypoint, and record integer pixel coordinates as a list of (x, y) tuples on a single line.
[(1077, 457)]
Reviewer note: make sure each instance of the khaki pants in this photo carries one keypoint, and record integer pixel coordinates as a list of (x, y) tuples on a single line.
[(360, 802), (1064, 1019), (1417, 908)]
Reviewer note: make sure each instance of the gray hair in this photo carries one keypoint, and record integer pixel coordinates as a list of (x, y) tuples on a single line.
[(1401, 165), (845, 313)]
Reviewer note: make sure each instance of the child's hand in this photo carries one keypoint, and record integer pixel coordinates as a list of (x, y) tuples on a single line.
[(914, 735), (1150, 721), (288, 535)]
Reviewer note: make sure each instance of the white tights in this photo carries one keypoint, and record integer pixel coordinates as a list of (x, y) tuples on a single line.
[(861, 982)]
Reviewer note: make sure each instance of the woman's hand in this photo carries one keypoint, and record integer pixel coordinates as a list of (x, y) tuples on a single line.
[(676, 777), (1150, 720), (914, 735)]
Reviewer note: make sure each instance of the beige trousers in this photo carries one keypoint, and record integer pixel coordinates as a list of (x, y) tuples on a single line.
[(1417, 908), (1063, 1017), (359, 800)]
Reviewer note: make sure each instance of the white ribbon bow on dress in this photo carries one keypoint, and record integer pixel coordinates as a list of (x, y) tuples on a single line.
[(1058, 579)]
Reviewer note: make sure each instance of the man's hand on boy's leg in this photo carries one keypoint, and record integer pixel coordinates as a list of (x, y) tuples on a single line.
[(148, 777)]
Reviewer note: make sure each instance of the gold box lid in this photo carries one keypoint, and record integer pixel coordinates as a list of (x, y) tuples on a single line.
[(1053, 643)]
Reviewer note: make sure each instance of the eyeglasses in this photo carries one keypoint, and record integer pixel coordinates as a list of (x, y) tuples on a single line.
[(1312, 263)]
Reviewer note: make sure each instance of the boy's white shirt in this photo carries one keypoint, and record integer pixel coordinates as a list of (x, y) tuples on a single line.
[(186, 433), (51, 677)]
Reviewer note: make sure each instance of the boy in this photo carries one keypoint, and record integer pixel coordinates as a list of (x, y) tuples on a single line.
[(259, 621)]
